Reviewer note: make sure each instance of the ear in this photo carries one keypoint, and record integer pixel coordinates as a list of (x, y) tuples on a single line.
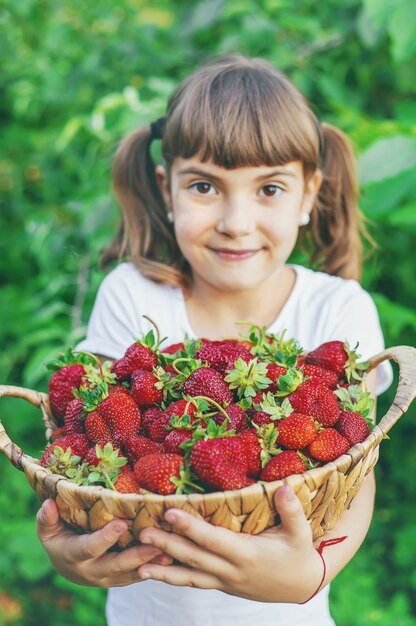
[(163, 182), (311, 191)]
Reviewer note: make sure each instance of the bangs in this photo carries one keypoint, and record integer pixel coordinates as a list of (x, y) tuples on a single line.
[(240, 113)]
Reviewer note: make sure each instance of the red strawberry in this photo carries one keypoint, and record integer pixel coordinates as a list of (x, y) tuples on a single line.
[(353, 427), (173, 348), (313, 398), (238, 420), (329, 445), (255, 403), (144, 388), (250, 440), (61, 386), (127, 483), (274, 371), (174, 439), (58, 432), (137, 356), (148, 416), (117, 389), (324, 376), (221, 355), (284, 464), (296, 431), (158, 428), (137, 446), (154, 471), (261, 418), (96, 428), (78, 444), (74, 422), (221, 463), (121, 414), (206, 381)]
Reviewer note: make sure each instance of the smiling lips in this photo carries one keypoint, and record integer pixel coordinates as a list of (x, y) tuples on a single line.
[(234, 255)]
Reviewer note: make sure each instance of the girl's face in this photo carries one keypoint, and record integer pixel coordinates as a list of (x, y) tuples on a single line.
[(237, 227)]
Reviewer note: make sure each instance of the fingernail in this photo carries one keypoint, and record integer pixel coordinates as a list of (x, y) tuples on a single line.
[(118, 529), (289, 495), (171, 516), (145, 575)]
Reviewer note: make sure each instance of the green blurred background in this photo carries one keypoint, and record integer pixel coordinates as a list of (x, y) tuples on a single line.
[(75, 77)]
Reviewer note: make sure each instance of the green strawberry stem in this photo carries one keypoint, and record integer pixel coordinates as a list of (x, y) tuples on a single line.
[(158, 341), (182, 358), (93, 356), (210, 401), (109, 483)]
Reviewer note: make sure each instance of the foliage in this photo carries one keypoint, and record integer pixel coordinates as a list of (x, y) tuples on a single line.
[(75, 78)]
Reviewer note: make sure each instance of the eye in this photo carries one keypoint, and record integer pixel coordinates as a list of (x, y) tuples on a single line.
[(271, 191), (203, 188)]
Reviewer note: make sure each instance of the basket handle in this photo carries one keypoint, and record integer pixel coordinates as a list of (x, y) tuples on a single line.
[(37, 398), (405, 357)]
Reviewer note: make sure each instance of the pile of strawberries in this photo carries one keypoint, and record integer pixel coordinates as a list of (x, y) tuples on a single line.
[(203, 415)]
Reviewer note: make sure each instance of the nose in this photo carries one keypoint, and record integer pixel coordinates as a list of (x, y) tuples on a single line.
[(237, 218)]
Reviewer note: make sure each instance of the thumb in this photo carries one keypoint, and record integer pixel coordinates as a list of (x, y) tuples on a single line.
[(48, 522), (291, 513)]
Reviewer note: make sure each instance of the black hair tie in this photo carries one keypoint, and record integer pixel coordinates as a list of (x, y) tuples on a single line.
[(157, 128)]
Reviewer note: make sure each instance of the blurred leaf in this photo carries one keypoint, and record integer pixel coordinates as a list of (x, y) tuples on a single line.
[(387, 158)]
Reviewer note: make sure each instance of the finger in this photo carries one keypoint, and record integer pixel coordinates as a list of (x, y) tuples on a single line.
[(115, 563), (184, 550), (179, 576), (48, 522), (291, 512), (222, 542), (94, 545)]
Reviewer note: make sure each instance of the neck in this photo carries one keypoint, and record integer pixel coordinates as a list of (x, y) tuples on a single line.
[(213, 314)]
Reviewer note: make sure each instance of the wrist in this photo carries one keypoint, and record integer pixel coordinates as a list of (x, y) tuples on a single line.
[(319, 552)]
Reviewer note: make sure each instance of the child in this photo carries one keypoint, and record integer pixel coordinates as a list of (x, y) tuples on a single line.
[(207, 235)]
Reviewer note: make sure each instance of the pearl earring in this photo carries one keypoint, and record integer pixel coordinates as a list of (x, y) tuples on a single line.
[(305, 218), (169, 216)]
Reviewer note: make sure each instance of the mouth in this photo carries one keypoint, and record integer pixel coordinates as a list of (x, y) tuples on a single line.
[(228, 254)]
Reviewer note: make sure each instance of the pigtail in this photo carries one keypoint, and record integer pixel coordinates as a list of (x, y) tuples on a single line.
[(144, 237), (337, 224)]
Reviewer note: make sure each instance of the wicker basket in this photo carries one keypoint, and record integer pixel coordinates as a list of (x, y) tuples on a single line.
[(325, 492)]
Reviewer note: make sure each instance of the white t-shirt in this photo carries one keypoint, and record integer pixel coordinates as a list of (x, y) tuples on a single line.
[(320, 308)]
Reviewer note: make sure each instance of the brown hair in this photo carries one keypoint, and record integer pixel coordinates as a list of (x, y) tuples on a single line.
[(236, 112)]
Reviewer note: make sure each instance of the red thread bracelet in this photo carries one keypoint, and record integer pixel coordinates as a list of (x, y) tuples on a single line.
[(320, 549)]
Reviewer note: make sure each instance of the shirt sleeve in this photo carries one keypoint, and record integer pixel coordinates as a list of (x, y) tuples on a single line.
[(114, 323), (357, 321)]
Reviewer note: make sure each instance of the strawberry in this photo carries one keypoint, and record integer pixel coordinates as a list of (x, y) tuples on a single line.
[(338, 357), (252, 447), (174, 439), (207, 382), (78, 443), (127, 483), (261, 418), (296, 431), (96, 428), (322, 375), (61, 386), (274, 371), (148, 416), (58, 432), (73, 420), (154, 472), (174, 348), (137, 446), (158, 428), (313, 398), (146, 388), (137, 356), (284, 464), (121, 414), (94, 457), (353, 427), (329, 445), (221, 355), (221, 463), (238, 420)]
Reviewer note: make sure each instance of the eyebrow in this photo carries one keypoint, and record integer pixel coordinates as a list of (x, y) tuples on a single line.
[(198, 172)]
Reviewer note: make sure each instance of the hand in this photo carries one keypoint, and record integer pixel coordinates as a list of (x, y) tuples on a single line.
[(83, 559), (278, 565)]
